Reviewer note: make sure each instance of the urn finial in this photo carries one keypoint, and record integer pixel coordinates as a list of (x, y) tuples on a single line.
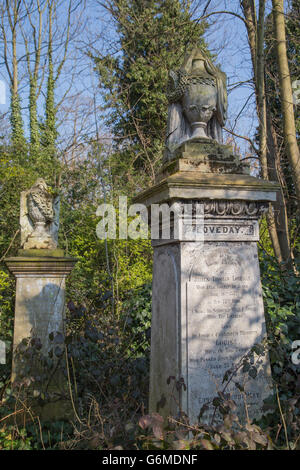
[(39, 217), (197, 98)]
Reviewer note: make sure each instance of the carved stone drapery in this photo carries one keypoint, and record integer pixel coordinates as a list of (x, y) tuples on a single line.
[(197, 98), (39, 217)]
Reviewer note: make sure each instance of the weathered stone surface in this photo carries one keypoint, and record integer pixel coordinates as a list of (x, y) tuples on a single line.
[(165, 331), (202, 166), (207, 298), (56, 253), (34, 266), (194, 220), (224, 319), (39, 311), (188, 185), (207, 313), (39, 217), (221, 230), (207, 304), (197, 98), (236, 209), (204, 156), (40, 298)]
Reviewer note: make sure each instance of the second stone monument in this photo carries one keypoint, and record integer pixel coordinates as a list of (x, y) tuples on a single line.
[(40, 270)]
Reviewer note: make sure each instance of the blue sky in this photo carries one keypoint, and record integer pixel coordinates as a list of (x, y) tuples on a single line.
[(227, 38)]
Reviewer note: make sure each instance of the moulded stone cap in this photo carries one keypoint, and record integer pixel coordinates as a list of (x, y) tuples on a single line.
[(40, 266), (196, 185)]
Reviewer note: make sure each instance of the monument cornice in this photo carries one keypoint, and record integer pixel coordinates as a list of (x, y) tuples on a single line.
[(188, 185), (40, 266)]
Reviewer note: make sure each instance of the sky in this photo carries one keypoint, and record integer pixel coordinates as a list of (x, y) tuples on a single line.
[(227, 38)]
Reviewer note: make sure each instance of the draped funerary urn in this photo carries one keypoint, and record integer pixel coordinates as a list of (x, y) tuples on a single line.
[(207, 306)]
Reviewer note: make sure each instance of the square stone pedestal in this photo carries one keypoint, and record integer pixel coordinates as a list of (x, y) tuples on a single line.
[(39, 311), (207, 306)]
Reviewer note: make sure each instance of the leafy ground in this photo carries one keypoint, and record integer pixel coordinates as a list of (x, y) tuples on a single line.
[(108, 357)]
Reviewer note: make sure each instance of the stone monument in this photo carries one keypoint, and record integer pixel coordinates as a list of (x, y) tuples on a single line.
[(40, 270), (207, 306)]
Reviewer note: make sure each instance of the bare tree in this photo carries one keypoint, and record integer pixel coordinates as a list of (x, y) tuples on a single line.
[(11, 16), (34, 18), (286, 94)]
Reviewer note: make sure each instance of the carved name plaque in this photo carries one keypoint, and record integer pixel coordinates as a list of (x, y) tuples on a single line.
[(222, 230), (225, 318), (200, 229)]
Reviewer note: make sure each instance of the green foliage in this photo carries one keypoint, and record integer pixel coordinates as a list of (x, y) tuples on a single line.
[(12, 175), (281, 291), (109, 291), (137, 313), (153, 37), (34, 125), (49, 126), (292, 22), (12, 438), (103, 355), (18, 140)]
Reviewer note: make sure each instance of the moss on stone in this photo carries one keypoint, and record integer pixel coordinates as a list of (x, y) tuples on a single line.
[(56, 253)]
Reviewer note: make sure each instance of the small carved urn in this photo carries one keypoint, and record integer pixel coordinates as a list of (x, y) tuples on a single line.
[(39, 217)]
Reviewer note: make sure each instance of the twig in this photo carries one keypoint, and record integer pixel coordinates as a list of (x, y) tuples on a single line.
[(70, 389), (243, 137), (10, 245), (219, 13), (282, 419), (11, 414)]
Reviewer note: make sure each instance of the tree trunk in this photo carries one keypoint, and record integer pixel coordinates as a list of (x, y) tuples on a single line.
[(248, 8), (260, 86), (278, 221), (286, 94), (276, 217), (18, 139)]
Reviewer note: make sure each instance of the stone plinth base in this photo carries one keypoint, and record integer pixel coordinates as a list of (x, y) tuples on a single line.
[(39, 329), (204, 156)]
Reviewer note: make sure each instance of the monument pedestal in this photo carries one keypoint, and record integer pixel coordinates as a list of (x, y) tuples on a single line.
[(39, 311), (207, 299)]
